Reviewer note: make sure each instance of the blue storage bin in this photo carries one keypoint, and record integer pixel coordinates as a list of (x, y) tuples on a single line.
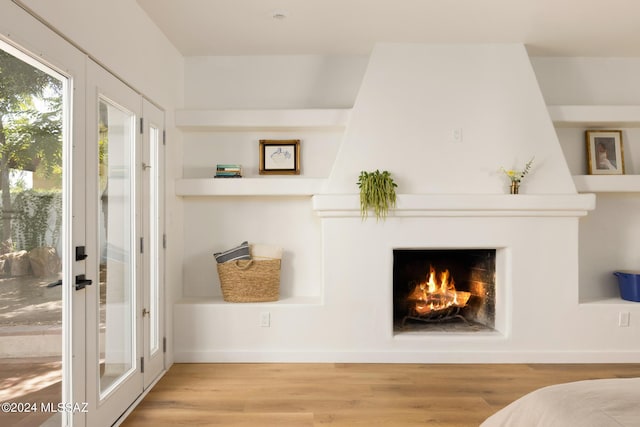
[(629, 283)]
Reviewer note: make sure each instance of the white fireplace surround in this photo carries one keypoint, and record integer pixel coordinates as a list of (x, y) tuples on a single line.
[(459, 222), (535, 238), (464, 205)]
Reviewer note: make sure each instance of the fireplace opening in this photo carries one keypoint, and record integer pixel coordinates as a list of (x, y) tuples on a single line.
[(449, 290)]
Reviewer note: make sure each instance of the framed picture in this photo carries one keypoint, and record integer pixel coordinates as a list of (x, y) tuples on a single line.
[(604, 151), (280, 157)]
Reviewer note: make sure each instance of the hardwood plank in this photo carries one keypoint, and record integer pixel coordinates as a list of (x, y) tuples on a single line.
[(191, 417), (32, 381), (444, 395)]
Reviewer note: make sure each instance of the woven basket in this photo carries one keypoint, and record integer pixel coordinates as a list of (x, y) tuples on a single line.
[(250, 280)]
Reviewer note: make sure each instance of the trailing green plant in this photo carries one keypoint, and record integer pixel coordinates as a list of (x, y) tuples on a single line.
[(37, 219), (377, 193)]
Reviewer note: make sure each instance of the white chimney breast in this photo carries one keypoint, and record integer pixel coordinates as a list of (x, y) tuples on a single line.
[(414, 98)]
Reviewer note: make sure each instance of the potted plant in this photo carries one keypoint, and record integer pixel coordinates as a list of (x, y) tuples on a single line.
[(377, 192)]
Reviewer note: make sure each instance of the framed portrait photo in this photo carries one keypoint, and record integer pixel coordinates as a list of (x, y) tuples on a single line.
[(279, 157), (604, 152)]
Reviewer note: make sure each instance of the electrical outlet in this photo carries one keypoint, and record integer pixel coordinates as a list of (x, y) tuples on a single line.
[(623, 319), (265, 319)]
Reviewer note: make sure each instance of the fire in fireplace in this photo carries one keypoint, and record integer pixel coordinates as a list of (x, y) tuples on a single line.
[(453, 289), (436, 299)]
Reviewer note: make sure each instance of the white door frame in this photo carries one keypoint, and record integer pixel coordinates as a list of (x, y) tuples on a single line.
[(153, 234)]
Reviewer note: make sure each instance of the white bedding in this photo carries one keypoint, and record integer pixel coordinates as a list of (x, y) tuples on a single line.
[(592, 403)]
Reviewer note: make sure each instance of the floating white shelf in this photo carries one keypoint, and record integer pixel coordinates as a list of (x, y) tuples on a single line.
[(217, 300), (608, 301), (262, 119), (595, 115), (249, 186), (607, 183), (603, 116)]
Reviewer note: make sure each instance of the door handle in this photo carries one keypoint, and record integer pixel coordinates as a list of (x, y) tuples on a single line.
[(82, 281), (54, 284), (80, 253)]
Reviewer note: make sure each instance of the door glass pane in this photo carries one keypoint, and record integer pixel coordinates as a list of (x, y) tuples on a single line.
[(33, 108), (154, 244), (116, 240)]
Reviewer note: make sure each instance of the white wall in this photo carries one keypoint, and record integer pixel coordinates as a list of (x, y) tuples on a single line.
[(354, 321), (139, 53), (215, 224), (315, 329), (586, 81), (298, 81), (412, 99), (121, 37)]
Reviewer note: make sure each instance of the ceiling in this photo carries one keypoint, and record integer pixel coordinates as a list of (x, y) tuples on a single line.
[(606, 28)]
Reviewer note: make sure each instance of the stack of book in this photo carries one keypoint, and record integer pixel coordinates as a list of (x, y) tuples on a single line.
[(228, 171)]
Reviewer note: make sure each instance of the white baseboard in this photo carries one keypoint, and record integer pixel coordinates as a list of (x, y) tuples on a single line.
[(407, 357)]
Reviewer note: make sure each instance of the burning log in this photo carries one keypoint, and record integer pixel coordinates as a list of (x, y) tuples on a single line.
[(435, 298)]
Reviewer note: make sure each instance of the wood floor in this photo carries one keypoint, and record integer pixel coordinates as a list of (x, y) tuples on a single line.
[(348, 394), (32, 381)]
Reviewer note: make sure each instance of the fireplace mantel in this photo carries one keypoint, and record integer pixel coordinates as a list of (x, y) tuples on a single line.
[(461, 205)]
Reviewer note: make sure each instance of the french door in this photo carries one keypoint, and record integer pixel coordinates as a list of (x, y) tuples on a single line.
[(124, 236), (85, 177), (35, 229)]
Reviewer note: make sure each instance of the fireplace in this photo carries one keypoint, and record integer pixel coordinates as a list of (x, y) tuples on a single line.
[(448, 290)]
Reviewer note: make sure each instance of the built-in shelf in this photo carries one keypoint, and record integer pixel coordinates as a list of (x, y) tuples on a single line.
[(249, 186), (585, 117), (609, 301), (217, 300), (262, 119), (607, 183), (595, 115), (215, 125)]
